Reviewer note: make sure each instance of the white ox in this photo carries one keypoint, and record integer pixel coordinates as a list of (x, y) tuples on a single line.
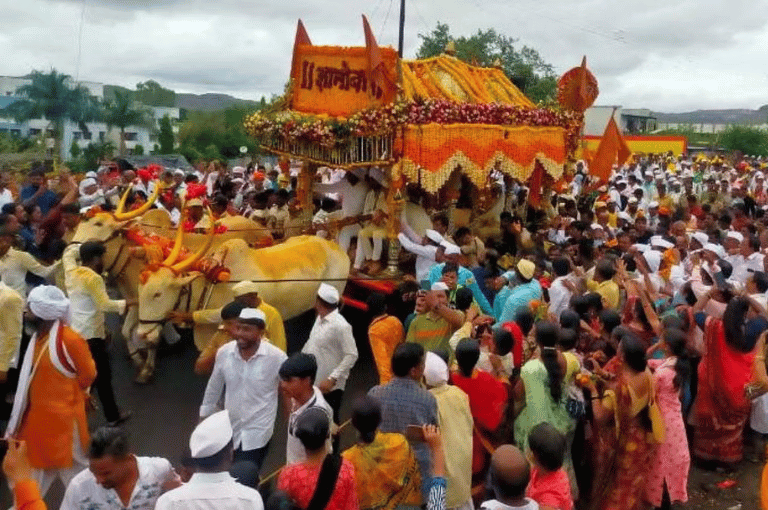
[(288, 276)]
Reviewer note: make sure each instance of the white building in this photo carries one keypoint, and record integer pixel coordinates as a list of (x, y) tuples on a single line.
[(630, 121), (97, 131)]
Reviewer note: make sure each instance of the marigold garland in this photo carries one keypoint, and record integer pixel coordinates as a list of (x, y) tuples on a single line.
[(290, 126)]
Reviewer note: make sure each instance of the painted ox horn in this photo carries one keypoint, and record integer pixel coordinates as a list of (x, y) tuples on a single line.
[(185, 264), (176, 250), (125, 216)]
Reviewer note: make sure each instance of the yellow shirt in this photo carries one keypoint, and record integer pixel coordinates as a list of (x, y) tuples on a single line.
[(89, 301), (454, 418), (609, 291), (12, 305)]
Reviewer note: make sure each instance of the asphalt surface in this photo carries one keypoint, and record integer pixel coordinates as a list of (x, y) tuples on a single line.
[(165, 413)]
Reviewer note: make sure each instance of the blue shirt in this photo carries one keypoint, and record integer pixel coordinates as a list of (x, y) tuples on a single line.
[(519, 298), (404, 402), (466, 279), (46, 201)]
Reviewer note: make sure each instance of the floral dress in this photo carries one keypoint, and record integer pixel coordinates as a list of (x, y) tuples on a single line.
[(670, 461)]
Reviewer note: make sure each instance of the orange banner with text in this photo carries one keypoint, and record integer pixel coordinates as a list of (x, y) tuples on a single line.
[(336, 81)]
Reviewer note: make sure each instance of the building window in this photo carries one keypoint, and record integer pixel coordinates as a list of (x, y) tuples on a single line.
[(34, 132), (87, 135), (77, 135), (102, 134), (16, 133), (131, 137)]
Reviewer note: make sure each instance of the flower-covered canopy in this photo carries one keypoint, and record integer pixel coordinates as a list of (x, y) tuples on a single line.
[(446, 115)]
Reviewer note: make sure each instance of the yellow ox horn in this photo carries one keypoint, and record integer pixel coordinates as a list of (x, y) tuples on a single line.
[(185, 264), (177, 244), (125, 216)]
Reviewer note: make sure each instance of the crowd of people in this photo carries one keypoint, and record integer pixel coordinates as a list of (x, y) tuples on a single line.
[(575, 355)]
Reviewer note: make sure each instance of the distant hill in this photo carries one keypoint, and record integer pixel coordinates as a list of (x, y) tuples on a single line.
[(209, 102), (716, 116)]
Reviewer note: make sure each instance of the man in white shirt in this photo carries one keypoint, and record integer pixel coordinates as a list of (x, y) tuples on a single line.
[(752, 259), (211, 487), (297, 380), (118, 479), (88, 303), (5, 194), (559, 294), (246, 375), (426, 252), (14, 264), (333, 346), (353, 191)]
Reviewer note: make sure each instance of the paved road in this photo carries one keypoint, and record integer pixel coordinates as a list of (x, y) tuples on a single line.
[(165, 412)]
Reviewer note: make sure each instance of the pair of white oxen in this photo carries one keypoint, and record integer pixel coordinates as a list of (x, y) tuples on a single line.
[(288, 274)]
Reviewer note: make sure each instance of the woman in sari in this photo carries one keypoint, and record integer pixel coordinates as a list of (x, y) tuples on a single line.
[(386, 471), (722, 407), (623, 424)]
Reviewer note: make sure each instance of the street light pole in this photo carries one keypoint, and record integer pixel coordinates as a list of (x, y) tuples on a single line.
[(402, 28)]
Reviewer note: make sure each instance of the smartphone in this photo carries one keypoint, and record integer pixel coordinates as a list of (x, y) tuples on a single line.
[(719, 279), (415, 433)]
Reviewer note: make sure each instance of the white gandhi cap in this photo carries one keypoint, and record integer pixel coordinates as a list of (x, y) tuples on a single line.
[(328, 293), (211, 435)]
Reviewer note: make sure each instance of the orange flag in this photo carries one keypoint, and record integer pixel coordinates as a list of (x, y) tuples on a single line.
[(613, 149), (376, 69), (534, 185), (301, 38), (583, 97)]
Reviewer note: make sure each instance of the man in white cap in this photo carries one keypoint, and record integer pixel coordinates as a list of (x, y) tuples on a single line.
[(333, 346), (246, 375), (435, 320), (212, 487), (49, 406), (245, 292), (426, 252), (454, 417)]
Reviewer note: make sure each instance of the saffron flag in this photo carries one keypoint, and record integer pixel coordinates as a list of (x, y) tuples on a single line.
[(534, 185), (377, 71), (301, 38), (577, 89), (613, 149)]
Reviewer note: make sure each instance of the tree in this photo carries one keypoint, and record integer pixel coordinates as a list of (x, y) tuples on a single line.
[(52, 96), (138, 150), (74, 149), (121, 113), (166, 136), (152, 93), (745, 139), (524, 66)]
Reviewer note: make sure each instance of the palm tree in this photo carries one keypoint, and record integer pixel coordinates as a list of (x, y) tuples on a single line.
[(53, 97), (122, 112)]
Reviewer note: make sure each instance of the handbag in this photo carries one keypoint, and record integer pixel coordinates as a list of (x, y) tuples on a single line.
[(658, 428), (574, 402)]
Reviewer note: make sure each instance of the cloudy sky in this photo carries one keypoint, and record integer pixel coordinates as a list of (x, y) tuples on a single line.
[(667, 55)]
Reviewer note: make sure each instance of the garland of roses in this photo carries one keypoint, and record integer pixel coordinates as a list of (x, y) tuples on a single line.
[(328, 131)]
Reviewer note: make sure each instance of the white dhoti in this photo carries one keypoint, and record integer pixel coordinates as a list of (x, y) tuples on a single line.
[(370, 244), (346, 234)]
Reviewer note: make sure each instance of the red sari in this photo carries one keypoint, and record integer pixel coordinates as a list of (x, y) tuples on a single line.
[(721, 407)]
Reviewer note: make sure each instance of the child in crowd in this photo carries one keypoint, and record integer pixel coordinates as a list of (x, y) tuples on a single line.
[(549, 486)]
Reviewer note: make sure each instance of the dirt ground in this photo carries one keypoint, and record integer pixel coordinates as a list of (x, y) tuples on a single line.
[(704, 494)]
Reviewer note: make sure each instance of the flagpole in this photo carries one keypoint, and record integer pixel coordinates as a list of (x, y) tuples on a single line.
[(402, 28)]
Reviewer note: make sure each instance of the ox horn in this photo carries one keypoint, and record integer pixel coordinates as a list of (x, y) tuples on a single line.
[(185, 264), (123, 199), (125, 216), (176, 245)]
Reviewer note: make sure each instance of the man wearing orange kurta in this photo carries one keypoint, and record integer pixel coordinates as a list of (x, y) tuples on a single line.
[(49, 408)]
